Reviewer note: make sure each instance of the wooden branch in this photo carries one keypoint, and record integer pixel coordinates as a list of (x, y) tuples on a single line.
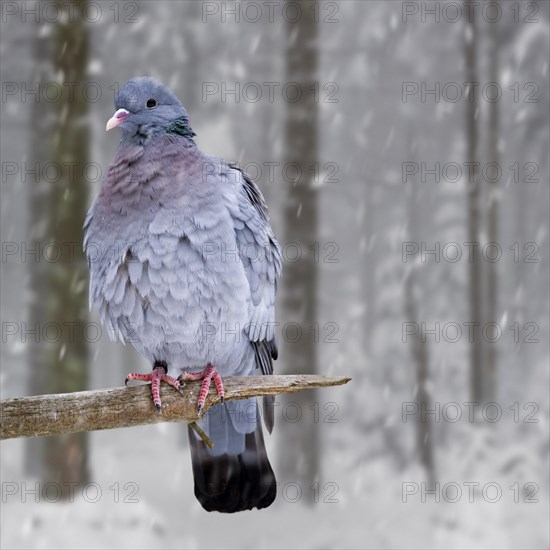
[(124, 407)]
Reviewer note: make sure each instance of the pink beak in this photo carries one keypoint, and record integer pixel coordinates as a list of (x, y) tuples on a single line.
[(118, 118)]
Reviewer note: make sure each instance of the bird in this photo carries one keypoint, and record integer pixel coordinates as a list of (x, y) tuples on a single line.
[(184, 265)]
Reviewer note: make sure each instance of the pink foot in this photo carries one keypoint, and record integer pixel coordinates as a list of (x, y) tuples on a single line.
[(157, 375), (207, 374)]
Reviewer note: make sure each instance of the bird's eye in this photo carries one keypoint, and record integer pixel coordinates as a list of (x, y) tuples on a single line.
[(151, 103)]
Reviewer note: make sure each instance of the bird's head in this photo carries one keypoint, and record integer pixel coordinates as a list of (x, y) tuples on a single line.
[(145, 106)]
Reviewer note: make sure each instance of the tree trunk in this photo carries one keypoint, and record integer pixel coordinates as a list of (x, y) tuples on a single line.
[(424, 442), (60, 287), (475, 275), (38, 234), (369, 263), (491, 358), (193, 77), (301, 451)]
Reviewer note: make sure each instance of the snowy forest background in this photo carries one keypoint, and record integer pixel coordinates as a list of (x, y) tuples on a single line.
[(385, 101)]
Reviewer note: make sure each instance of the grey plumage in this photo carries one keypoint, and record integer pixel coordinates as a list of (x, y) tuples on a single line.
[(183, 262)]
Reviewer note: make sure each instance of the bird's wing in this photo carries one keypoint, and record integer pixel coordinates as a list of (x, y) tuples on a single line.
[(260, 254)]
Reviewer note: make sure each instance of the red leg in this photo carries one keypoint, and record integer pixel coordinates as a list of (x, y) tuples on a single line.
[(207, 375), (157, 375)]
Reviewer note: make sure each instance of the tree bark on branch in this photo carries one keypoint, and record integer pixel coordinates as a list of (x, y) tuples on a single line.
[(125, 407)]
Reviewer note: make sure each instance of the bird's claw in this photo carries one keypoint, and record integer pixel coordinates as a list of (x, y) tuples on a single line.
[(207, 375), (156, 376)]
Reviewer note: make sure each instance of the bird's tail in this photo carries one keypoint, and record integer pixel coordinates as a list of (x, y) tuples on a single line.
[(236, 475)]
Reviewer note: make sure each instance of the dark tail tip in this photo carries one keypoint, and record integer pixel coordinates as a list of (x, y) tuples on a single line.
[(233, 483)]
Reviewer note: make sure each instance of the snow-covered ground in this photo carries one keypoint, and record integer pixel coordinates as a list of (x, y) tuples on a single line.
[(141, 496)]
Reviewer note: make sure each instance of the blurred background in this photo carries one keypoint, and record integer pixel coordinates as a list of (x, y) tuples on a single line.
[(402, 148)]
